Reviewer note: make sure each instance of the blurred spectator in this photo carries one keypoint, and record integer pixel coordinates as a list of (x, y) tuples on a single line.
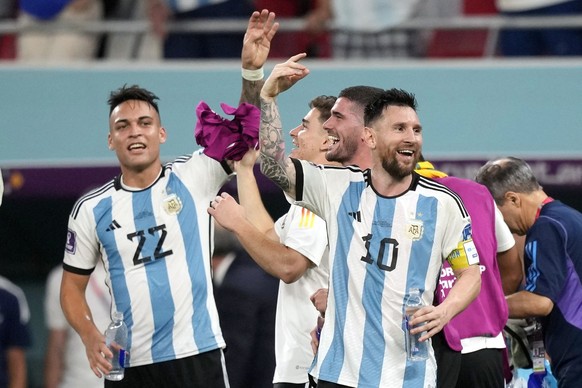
[(185, 45), (14, 335), (126, 46), (66, 365), (368, 29), (313, 40), (246, 298), (62, 45), (546, 41), (8, 10)]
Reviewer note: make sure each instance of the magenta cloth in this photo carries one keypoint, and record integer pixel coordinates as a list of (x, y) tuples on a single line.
[(227, 139)]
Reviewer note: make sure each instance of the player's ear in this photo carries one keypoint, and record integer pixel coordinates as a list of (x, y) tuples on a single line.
[(109, 143), (163, 135), (369, 137)]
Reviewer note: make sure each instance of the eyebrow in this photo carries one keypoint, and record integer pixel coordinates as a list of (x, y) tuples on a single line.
[(123, 120)]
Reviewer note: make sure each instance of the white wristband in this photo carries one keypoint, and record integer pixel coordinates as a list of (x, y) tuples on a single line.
[(253, 75)]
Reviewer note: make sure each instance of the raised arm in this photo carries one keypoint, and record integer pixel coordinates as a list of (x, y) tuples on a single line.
[(250, 197), (254, 228), (79, 316), (256, 46), (274, 162)]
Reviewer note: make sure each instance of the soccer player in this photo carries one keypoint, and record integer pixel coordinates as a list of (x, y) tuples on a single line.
[(552, 257), (150, 228), (295, 248), (389, 230)]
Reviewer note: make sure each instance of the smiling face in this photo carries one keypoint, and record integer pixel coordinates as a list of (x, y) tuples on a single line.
[(345, 129), (309, 138), (398, 140), (135, 134)]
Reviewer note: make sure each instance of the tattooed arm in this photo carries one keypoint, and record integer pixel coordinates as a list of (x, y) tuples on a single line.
[(274, 163), (256, 46)]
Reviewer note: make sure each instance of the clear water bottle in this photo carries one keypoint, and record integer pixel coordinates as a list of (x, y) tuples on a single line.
[(116, 341), (415, 350)]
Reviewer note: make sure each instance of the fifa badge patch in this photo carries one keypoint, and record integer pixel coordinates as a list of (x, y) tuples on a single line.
[(71, 245), (172, 204), (415, 229)]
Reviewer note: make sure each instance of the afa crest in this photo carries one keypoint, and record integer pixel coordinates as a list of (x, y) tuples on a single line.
[(415, 229), (172, 204)]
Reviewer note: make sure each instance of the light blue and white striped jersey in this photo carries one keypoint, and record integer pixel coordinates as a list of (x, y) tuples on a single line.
[(156, 247), (380, 247)]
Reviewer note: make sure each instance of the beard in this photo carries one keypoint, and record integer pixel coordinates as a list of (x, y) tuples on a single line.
[(392, 167), (343, 154)]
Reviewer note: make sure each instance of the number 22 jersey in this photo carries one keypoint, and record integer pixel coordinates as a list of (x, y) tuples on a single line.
[(156, 247)]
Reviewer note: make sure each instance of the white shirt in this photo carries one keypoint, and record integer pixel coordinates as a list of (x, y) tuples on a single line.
[(306, 233)]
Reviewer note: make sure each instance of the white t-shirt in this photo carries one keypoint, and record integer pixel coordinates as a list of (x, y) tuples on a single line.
[(306, 233)]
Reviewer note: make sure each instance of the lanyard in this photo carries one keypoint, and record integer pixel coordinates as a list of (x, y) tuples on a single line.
[(547, 200)]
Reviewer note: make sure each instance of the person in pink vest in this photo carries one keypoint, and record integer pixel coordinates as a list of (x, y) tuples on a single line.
[(470, 351)]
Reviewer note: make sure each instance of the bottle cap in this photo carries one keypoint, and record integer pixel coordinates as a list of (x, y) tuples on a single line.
[(117, 315)]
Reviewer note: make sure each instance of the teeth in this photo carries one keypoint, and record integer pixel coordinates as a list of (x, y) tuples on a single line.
[(136, 146), (405, 152), (333, 139)]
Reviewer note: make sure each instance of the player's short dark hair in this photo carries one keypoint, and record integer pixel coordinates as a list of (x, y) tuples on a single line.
[(390, 97), (361, 95), (323, 104), (133, 92)]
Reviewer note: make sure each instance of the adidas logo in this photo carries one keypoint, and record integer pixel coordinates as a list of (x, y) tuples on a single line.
[(112, 226), (356, 215)]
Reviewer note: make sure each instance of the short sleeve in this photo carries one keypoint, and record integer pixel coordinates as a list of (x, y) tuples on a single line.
[(16, 317), (304, 232), (505, 240)]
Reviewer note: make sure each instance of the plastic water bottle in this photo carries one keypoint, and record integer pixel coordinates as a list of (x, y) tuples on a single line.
[(415, 350), (116, 341)]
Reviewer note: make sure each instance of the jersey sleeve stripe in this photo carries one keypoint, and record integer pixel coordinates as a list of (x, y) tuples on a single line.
[(298, 179), (78, 271)]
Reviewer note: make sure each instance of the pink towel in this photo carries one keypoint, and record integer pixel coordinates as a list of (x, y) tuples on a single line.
[(227, 139)]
